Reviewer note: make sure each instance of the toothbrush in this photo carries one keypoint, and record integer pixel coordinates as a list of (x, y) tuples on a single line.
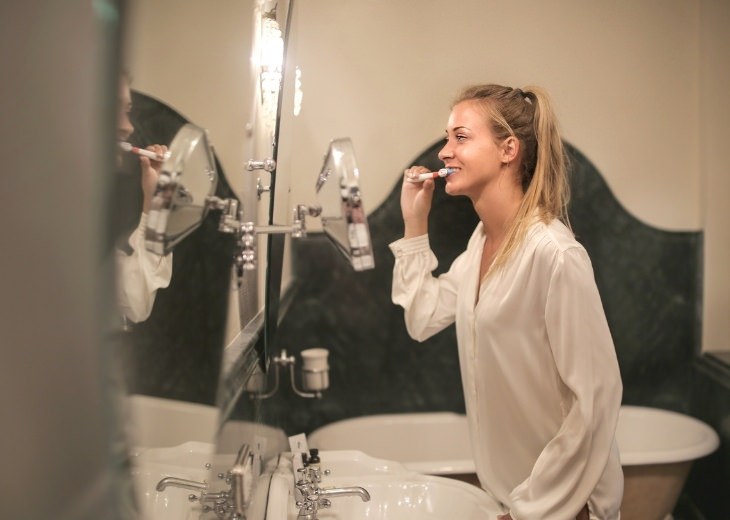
[(443, 172), (146, 153)]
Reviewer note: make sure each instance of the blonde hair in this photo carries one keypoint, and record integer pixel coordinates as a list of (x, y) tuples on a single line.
[(527, 114)]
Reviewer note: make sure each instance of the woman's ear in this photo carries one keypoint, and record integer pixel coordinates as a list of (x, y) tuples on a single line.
[(510, 149)]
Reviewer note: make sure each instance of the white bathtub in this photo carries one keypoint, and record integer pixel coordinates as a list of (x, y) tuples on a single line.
[(657, 449), (432, 443), (154, 422)]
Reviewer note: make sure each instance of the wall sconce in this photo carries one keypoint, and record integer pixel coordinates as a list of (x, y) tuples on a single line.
[(315, 375)]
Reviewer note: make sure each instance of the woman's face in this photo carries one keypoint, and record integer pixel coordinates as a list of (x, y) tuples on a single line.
[(470, 150), (124, 126), (124, 105)]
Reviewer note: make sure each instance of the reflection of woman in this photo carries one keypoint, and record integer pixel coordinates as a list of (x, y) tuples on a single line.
[(140, 273), (541, 380)]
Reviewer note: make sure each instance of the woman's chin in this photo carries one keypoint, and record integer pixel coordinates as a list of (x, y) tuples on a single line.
[(451, 188)]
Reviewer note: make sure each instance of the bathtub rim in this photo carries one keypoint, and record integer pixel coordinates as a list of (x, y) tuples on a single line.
[(436, 466), (708, 440), (708, 443)]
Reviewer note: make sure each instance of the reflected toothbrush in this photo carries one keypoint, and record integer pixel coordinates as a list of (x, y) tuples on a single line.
[(140, 151), (443, 172)]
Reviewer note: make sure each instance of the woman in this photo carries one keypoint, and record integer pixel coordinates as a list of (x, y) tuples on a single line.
[(140, 273), (541, 380)]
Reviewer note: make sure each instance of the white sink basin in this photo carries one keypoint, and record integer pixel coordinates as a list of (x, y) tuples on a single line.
[(395, 492), (187, 461)]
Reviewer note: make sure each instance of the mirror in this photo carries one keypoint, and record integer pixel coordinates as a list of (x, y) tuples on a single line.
[(191, 87), (187, 180), (345, 224), (342, 212), (348, 89), (182, 218)]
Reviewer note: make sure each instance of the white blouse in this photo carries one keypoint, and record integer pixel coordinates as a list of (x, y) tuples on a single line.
[(140, 275), (541, 380)]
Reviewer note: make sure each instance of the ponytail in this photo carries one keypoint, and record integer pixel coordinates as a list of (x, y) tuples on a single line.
[(527, 115)]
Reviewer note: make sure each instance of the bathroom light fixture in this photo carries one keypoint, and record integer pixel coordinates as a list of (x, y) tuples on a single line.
[(270, 62), (298, 93)]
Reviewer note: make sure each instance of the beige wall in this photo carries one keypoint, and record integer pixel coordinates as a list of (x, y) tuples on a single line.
[(624, 77), (196, 58), (714, 170), (640, 88)]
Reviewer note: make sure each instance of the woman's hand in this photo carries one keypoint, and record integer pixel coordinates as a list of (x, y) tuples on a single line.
[(415, 202), (150, 174)]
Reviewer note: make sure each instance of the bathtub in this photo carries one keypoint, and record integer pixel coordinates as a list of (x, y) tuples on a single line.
[(657, 449)]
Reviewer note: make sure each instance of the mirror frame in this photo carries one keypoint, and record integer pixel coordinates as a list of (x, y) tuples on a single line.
[(250, 350)]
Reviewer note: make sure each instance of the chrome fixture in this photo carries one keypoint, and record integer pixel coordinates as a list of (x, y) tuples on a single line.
[(231, 221), (260, 188), (315, 375), (180, 483), (227, 504), (267, 164), (313, 498), (178, 209)]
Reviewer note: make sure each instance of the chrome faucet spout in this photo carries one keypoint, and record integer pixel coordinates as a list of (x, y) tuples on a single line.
[(345, 492), (181, 483)]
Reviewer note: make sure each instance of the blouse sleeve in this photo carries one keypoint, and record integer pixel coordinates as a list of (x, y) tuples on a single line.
[(139, 276), (570, 466), (429, 303)]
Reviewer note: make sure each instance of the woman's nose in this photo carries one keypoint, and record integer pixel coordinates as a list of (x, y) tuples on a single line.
[(125, 126), (445, 152)]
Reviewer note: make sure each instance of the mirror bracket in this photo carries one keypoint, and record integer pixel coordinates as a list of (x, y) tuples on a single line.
[(260, 188), (231, 222), (267, 164)]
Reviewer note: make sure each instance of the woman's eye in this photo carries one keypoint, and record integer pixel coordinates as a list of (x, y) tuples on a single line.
[(460, 138)]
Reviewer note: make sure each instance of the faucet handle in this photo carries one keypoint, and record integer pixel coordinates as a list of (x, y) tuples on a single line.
[(311, 474), (303, 476), (217, 502), (315, 474)]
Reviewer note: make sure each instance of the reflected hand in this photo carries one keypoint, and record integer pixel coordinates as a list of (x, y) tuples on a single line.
[(150, 174), (415, 202)]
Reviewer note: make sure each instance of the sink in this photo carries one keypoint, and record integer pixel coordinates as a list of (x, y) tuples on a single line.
[(396, 492), (192, 460), (188, 461)]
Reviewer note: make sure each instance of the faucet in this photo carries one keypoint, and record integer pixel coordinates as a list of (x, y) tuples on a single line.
[(181, 483), (314, 498), (230, 504)]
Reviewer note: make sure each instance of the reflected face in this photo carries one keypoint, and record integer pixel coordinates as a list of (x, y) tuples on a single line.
[(124, 125), (470, 150)]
